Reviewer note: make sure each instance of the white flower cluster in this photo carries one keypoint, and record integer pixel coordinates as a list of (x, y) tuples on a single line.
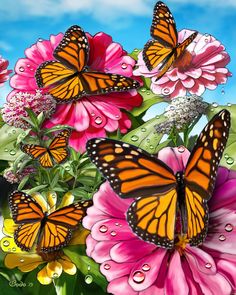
[(181, 112), (15, 109)]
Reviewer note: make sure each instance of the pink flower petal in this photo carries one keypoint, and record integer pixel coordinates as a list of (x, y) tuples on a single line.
[(113, 270), (121, 286)]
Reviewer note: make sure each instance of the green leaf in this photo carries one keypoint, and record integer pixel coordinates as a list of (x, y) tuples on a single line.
[(33, 118), (8, 136), (134, 54), (37, 188), (146, 136), (56, 128), (85, 264), (65, 284), (229, 156), (149, 99), (9, 288)]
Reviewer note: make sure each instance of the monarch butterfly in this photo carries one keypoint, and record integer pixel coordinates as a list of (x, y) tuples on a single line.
[(164, 49), (67, 78), (50, 232), (162, 196), (57, 152)]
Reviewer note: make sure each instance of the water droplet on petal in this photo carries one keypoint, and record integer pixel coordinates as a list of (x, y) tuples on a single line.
[(98, 120), (6, 243), (22, 260), (181, 149), (151, 147), (148, 92), (230, 161), (143, 90), (215, 104), (103, 229), (55, 275), (117, 224), (143, 129), (222, 238), (89, 267), (88, 279), (229, 227), (12, 152), (146, 267), (13, 249), (226, 156), (92, 114), (165, 90), (117, 116), (21, 69), (208, 265), (124, 66), (135, 50), (138, 277), (6, 150), (134, 137), (40, 39), (107, 266), (113, 233)]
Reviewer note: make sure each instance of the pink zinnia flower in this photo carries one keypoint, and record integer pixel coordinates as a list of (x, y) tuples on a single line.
[(91, 116), (201, 67), (4, 72), (133, 266)]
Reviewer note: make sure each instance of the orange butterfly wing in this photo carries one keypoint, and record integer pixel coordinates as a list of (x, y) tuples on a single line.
[(153, 218), (68, 79), (58, 228), (200, 174), (130, 171), (28, 214), (57, 152), (164, 49)]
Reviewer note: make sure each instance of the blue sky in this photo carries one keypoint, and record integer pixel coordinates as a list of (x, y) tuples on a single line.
[(22, 22)]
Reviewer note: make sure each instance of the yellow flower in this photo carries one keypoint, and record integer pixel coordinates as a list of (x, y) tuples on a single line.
[(54, 263)]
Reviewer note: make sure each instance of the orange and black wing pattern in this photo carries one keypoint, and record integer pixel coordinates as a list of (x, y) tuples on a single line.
[(131, 171), (153, 218), (201, 171), (56, 153), (57, 231), (164, 49), (28, 214), (67, 78)]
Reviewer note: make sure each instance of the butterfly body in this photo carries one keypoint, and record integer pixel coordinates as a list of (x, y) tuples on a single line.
[(69, 78), (160, 195), (49, 231), (164, 49)]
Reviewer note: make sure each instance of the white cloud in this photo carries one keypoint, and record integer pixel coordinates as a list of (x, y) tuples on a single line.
[(101, 10)]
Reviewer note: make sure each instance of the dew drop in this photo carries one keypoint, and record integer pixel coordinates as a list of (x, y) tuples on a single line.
[(222, 238), (92, 114), (124, 66), (165, 91), (117, 224), (230, 161), (14, 131), (21, 69), (67, 168), (107, 266), (223, 91), (103, 229), (134, 137), (229, 104), (55, 275), (89, 267), (135, 50), (143, 90), (138, 277), (151, 147), (226, 156), (143, 129), (12, 152), (215, 104), (229, 227), (146, 267), (40, 40), (88, 279), (208, 265), (6, 150), (172, 108), (157, 117), (6, 243), (113, 233), (148, 92), (98, 120), (13, 249), (117, 116), (181, 149)]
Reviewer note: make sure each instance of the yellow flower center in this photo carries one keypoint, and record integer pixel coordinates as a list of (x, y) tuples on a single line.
[(181, 244)]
